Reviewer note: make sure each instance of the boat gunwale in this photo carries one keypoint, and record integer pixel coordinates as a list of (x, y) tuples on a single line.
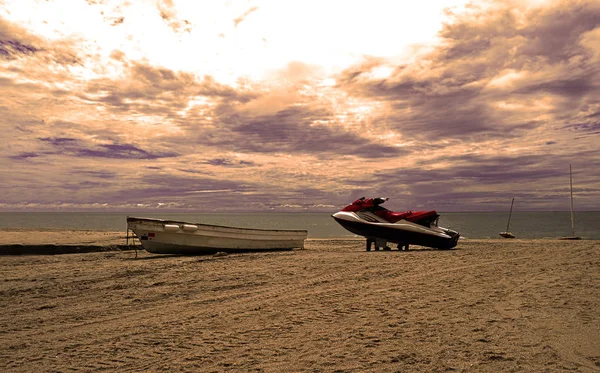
[(165, 221)]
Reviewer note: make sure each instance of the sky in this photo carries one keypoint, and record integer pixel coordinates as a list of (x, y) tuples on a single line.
[(299, 105)]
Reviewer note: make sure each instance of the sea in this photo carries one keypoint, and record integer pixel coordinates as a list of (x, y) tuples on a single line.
[(526, 225)]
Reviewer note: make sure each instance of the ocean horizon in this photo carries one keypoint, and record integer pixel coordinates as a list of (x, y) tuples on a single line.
[(523, 224)]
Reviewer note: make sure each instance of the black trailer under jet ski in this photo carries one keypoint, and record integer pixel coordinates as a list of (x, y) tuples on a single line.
[(366, 217)]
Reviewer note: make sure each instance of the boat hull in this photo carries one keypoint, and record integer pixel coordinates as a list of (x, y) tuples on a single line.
[(402, 232), (175, 237), (571, 238), (507, 235)]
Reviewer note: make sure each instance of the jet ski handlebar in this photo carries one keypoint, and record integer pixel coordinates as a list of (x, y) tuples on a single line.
[(365, 203)]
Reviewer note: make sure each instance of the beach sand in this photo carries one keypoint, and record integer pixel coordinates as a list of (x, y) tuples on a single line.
[(487, 306)]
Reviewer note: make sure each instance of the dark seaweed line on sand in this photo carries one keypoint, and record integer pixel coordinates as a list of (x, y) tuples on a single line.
[(50, 249)]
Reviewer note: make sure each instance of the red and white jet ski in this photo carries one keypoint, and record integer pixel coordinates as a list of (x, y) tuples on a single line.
[(379, 225)]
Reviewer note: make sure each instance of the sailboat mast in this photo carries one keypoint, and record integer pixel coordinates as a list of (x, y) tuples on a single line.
[(510, 213), (572, 217)]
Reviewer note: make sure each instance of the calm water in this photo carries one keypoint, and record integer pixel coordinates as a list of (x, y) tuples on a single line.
[(322, 225)]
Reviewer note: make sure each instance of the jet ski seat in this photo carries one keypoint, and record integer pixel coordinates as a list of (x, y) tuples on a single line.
[(423, 217), (392, 216), (419, 217)]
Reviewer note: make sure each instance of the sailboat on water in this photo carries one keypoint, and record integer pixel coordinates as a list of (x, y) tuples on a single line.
[(573, 236), (507, 234)]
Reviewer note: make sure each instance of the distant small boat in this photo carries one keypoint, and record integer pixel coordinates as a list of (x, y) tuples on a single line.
[(176, 237), (507, 234), (573, 236)]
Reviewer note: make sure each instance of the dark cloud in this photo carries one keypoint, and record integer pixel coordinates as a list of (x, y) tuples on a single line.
[(59, 141), (181, 185), (83, 185), (555, 32), (573, 88), (96, 174), (193, 171), (429, 107), (228, 162), (11, 49), (187, 191), (155, 90), (482, 169), (25, 155), (519, 38), (124, 151), (447, 93), (592, 127), (79, 148), (196, 191), (292, 130), (18, 43), (470, 181)]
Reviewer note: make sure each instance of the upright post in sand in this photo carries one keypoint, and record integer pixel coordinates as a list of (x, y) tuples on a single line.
[(572, 216), (573, 236), (132, 239)]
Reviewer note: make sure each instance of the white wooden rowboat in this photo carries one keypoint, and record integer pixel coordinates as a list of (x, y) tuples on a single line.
[(176, 237)]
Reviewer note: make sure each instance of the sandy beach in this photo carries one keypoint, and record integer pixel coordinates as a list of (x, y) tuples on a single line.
[(487, 306)]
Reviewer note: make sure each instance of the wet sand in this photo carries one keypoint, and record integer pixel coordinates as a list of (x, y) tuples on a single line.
[(487, 306)]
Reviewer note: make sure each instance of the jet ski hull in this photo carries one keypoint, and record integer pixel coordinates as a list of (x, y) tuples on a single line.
[(402, 232)]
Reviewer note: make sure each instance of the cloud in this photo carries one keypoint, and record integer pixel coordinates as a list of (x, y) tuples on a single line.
[(154, 90), (79, 148), (96, 174), (24, 50), (227, 162), (241, 18), (24, 155), (15, 42), (123, 151), (498, 108), (238, 119), (470, 181), (169, 14), (291, 130), (490, 60), (118, 21), (11, 49), (188, 192)]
